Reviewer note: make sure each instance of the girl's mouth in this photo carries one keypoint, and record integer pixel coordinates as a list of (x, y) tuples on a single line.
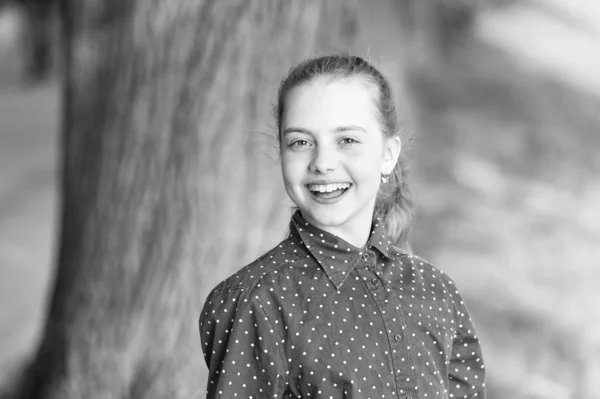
[(329, 191)]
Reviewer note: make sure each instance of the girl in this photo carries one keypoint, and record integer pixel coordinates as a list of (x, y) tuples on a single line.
[(337, 310)]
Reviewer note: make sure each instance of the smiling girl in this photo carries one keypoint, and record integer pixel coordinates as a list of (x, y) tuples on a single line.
[(338, 309)]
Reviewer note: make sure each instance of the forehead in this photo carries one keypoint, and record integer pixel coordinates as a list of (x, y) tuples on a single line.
[(327, 102)]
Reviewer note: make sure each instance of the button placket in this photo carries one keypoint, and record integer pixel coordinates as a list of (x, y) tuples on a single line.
[(375, 283), (402, 345), (368, 257)]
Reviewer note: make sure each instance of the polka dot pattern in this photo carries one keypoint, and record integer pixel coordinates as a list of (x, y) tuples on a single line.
[(316, 317)]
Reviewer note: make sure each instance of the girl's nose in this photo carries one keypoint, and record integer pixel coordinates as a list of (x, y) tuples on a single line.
[(324, 160)]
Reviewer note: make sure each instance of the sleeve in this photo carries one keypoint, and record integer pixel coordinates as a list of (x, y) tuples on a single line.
[(466, 370), (240, 348)]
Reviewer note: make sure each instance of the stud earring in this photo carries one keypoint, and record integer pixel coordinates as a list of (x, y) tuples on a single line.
[(384, 178)]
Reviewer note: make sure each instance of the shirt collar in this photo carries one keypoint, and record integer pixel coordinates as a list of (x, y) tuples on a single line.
[(379, 239), (336, 256)]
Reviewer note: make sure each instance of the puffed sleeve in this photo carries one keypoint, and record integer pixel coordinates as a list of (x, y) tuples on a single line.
[(240, 348), (466, 370)]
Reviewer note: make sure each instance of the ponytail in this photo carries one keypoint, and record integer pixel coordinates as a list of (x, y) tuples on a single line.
[(394, 205)]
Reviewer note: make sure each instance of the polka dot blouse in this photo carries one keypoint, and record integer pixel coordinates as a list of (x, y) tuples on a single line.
[(316, 317)]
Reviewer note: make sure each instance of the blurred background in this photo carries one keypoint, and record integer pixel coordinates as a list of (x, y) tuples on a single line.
[(505, 143)]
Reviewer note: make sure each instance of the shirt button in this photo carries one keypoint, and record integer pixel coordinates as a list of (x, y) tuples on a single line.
[(366, 256), (397, 338), (374, 281)]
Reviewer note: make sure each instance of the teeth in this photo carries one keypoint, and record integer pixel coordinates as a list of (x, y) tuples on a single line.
[(327, 188)]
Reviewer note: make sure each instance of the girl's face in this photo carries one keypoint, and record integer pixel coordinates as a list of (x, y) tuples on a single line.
[(333, 153)]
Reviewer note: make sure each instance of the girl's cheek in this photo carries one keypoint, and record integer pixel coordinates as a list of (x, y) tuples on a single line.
[(291, 165), (296, 155)]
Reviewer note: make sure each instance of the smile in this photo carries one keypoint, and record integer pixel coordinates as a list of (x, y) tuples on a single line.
[(328, 188), (328, 193)]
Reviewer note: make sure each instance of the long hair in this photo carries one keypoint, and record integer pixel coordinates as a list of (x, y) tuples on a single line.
[(393, 204)]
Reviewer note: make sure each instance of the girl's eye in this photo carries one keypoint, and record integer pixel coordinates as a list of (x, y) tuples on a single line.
[(299, 143), (348, 140)]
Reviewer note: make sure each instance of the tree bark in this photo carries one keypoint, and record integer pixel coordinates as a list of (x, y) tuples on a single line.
[(161, 192)]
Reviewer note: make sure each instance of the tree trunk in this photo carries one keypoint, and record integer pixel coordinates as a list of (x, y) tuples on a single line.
[(161, 191)]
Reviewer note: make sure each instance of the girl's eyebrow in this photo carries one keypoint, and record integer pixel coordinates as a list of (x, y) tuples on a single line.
[(342, 129), (295, 130), (339, 129)]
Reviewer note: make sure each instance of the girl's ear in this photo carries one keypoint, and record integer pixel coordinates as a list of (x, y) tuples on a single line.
[(391, 152)]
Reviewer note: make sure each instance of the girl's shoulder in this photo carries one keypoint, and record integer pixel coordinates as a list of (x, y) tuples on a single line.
[(421, 264), (248, 278), (405, 255), (432, 276)]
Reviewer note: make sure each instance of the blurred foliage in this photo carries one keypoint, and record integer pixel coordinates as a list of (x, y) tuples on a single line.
[(38, 38), (506, 179)]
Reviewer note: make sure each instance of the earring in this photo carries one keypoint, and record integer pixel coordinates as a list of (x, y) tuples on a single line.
[(384, 178)]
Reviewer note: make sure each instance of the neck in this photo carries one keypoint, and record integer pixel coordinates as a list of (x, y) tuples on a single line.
[(358, 236), (355, 231)]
